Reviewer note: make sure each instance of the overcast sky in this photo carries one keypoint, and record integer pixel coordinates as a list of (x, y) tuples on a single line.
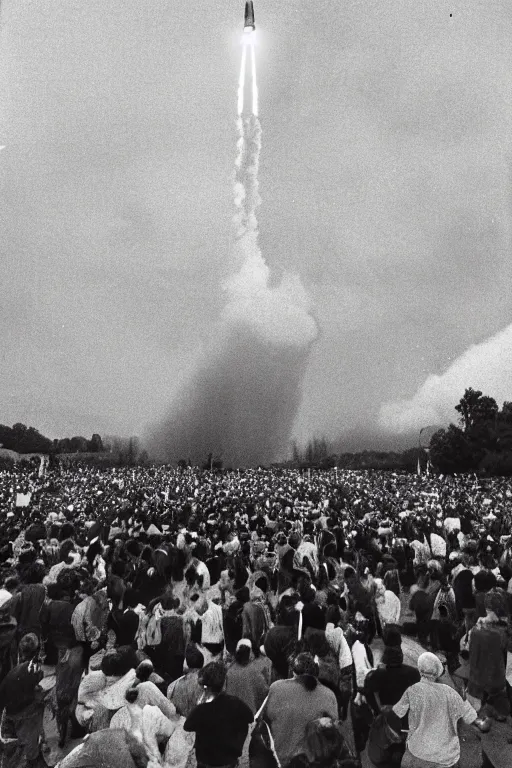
[(385, 179)]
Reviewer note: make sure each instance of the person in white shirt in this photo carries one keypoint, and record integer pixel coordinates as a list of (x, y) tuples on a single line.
[(388, 604), (434, 712)]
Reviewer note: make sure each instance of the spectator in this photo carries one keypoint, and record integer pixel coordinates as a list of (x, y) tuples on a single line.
[(434, 711), (220, 721), (186, 691), (292, 704), (23, 701), (246, 678)]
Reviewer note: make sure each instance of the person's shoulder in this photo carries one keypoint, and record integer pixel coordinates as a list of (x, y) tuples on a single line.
[(323, 690), (374, 676), (281, 685), (239, 707), (412, 672), (447, 693)]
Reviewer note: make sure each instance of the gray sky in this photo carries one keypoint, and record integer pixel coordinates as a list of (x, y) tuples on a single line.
[(385, 179)]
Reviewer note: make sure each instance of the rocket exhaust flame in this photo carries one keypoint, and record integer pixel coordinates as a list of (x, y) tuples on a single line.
[(254, 81), (241, 81)]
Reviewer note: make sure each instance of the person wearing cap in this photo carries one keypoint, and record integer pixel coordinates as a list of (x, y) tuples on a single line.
[(434, 711)]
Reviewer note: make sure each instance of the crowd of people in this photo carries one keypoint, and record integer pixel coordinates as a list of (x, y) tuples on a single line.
[(169, 614)]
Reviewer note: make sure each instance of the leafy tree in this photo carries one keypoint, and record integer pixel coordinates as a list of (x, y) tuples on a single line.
[(476, 409), (78, 444), (95, 444), (452, 451)]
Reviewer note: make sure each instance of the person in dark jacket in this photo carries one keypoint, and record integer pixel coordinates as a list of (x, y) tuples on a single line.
[(462, 583), (25, 605), (392, 677), (220, 722), (281, 640), (8, 626), (487, 659), (21, 698)]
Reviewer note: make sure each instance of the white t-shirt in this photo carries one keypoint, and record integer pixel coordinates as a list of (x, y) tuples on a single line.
[(434, 711)]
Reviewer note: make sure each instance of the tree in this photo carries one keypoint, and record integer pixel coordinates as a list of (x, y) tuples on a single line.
[(78, 444), (476, 409), (452, 451), (95, 444)]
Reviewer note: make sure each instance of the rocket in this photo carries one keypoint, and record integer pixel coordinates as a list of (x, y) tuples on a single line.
[(249, 25)]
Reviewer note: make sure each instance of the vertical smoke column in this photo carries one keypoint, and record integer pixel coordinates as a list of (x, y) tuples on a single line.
[(241, 402)]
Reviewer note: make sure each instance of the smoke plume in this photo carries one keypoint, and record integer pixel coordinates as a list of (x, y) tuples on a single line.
[(486, 366), (241, 402)]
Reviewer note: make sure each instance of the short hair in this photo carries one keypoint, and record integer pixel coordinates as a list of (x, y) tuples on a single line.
[(324, 742), (29, 646), (144, 670), (194, 657), (213, 676), (120, 662), (243, 654), (131, 695), (307, 670)]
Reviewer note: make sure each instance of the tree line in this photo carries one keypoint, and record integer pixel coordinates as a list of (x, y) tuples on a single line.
[(23, 439), (482, 440)]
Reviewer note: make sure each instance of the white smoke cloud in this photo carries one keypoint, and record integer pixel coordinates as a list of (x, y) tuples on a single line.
[(486, 366), (278, 314), (241, 402)]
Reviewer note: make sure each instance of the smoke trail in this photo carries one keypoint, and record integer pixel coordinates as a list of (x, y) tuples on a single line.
[(242, 400)]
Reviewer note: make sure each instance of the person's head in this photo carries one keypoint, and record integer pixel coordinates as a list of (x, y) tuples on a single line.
[(213, 676), (194, 659), (349, 575), (132, 695), (305, 669), (28, 647), (12, 583), (130, 598), (495, 604), (54, 591), (119, 662), (484, 581), (243, 652), (287, 615), (33, 573), (317, 644), (144, 670), (380, 589), (393, 655), (65, 550), (323, 741), (115, 590), (430, 667)]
